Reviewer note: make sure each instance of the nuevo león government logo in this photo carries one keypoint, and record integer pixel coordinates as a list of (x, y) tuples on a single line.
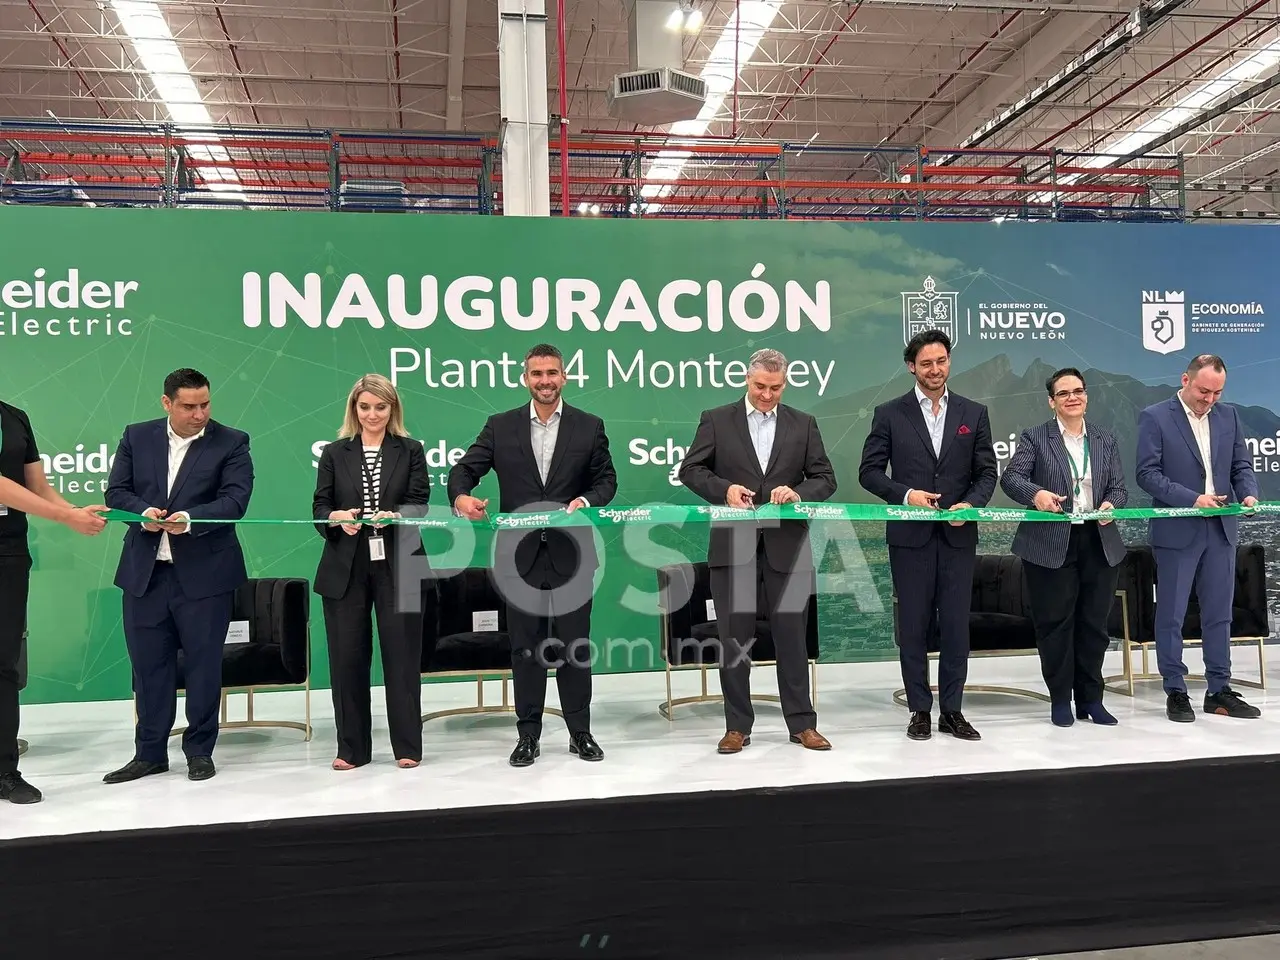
[(929, 309), (1164, 321)]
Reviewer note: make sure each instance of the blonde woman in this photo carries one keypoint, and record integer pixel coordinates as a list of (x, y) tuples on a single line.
[(373, 471)]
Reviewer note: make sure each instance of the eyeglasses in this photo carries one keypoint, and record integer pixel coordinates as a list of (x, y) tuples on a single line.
[(1063, 394)]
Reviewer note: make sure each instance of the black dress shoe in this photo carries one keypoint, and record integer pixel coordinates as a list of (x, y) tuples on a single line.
[(135, 770), (585, 746), (200, 768), (525, 753), (954, 723), (1177, 707), (920, 727), (16, 790)]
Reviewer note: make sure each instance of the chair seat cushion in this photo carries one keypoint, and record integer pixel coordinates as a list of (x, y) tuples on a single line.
[(248, 665), (482, 650), (705, 648), (1001, 631)]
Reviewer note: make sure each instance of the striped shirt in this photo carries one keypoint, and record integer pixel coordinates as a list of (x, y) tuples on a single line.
[(372, 472)]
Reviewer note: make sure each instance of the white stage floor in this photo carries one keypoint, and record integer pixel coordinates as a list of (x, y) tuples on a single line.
[(271, 774)]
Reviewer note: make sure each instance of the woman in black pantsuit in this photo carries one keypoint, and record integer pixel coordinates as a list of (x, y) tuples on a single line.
[(373, 470), (1067, 466)]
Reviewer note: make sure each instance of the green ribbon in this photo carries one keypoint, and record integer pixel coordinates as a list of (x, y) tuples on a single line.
[(670, 513)]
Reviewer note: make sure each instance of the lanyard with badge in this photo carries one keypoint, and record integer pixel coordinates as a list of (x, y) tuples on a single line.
[(1077, 476), (377, 549)]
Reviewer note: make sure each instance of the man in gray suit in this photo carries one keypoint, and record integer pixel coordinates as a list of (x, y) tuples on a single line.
[(753, 451), (1061, 466)]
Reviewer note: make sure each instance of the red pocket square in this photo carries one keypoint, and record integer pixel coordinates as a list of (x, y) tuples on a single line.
[(963, 430)]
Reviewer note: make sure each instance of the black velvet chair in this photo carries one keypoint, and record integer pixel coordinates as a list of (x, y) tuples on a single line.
[(1000, 623), (277, 655), (453, 647), (689, 636), (1250, 617)]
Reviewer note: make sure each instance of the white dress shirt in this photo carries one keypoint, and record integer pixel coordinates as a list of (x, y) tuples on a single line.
[(935, 423), (763, 428), (1082, 502), (1200, 430), (178, 447), (543, 437)]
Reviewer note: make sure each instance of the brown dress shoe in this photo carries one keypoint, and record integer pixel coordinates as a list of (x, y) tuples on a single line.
[(811, 740), (733, 742)]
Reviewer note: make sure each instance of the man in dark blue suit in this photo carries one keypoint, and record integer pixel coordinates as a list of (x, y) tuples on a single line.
[(179, 576), (1191, 453), (937, 448)]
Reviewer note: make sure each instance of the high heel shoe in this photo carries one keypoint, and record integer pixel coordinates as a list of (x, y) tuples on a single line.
[(1061, 715), (1095, 712)]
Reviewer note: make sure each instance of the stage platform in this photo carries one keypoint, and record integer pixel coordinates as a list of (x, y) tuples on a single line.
[(1034, 840)]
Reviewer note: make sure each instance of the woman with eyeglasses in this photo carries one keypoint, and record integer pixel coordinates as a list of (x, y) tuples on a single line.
[(1071, 569)]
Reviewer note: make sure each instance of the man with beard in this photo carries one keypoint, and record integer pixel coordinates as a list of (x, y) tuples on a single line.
[(937, 446), (548, 456)]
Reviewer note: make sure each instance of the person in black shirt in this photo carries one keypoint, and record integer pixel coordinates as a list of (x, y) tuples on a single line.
[(24, 489)]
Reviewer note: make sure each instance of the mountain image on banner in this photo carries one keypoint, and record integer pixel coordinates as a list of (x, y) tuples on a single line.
[(1017, 401)]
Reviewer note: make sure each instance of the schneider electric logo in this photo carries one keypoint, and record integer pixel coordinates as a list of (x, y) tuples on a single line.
[(628, 515), (644, 452), (523, 520), (820, 512), (81, 470), (66, 305)]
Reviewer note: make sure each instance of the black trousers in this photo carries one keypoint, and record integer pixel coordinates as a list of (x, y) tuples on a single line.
[(549, 621), (741, 594), (934, 586), (1070, 606), (15, 581), (348, 624)]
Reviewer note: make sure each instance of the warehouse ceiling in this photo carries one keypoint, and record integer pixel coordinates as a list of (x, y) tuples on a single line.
[(1197, 78)]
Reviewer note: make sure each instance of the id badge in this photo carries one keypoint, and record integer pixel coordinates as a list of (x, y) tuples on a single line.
[(377, 550)]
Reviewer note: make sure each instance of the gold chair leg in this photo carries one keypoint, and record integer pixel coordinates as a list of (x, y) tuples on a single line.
[(482, 708), (667, 707), (667, 711), (250, 721)]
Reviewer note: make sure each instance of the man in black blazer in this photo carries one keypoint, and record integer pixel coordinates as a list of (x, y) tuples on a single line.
[(752, 451), (937, 448), (548, 456), (179, 578)]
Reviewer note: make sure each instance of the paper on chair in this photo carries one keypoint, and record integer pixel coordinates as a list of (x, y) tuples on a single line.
[(484, 621), (237, 632)]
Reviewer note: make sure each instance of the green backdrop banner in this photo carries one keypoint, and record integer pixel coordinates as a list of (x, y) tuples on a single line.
[(283, 311)]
